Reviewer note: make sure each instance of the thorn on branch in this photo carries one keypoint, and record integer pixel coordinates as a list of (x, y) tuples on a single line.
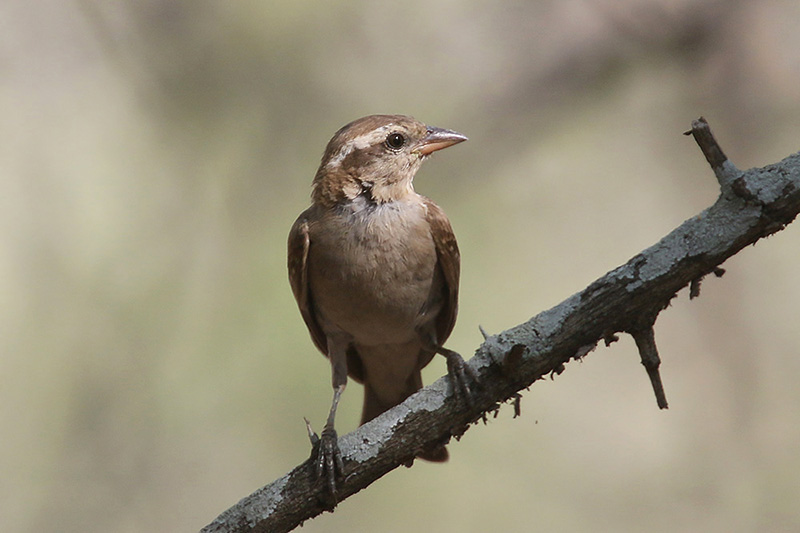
[(694, 287), (583, 351), (556, 371), (610, 338), (483, 332), (312, 435), (701, 132), (646, 343), (724, 170)]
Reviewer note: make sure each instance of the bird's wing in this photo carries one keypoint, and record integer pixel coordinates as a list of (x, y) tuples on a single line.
[(299, 244), (450, 263)]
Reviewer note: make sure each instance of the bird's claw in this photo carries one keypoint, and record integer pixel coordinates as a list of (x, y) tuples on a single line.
[(460, 375), (326, 458)]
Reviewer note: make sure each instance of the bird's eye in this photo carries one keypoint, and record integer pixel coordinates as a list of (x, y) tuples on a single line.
[(395, 141)]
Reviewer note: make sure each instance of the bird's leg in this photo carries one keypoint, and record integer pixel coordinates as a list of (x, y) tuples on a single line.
[(458, 370), (326, 458)]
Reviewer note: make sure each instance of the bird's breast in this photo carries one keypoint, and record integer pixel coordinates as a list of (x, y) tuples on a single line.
[(372, 270)]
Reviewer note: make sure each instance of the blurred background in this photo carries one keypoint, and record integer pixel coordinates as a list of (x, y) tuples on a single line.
[(153, 365)]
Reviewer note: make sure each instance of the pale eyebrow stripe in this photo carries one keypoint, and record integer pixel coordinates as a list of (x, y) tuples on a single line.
[(359, 143)]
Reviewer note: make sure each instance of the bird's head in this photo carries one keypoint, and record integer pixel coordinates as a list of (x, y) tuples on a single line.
[(377, 157)]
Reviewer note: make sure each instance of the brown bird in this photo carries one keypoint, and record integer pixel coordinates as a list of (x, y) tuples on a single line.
[(374, 267)]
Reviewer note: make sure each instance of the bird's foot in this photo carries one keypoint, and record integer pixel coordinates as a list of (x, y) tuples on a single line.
[(460, 375), (326, 458)]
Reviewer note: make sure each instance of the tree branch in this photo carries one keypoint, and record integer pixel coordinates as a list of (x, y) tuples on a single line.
[(752, 205)]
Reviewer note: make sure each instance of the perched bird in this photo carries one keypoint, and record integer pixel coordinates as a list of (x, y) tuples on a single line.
[(374, 268)]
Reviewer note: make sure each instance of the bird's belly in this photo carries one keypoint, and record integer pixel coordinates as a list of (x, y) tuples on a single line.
[(374, 288)]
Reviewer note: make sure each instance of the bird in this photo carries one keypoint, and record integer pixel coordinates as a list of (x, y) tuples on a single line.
[(374, 267)]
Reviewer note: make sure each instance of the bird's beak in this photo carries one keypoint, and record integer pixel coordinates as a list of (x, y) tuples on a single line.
[(438, 138)]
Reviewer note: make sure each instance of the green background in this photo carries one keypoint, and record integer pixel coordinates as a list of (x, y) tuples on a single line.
[(154, 368)]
